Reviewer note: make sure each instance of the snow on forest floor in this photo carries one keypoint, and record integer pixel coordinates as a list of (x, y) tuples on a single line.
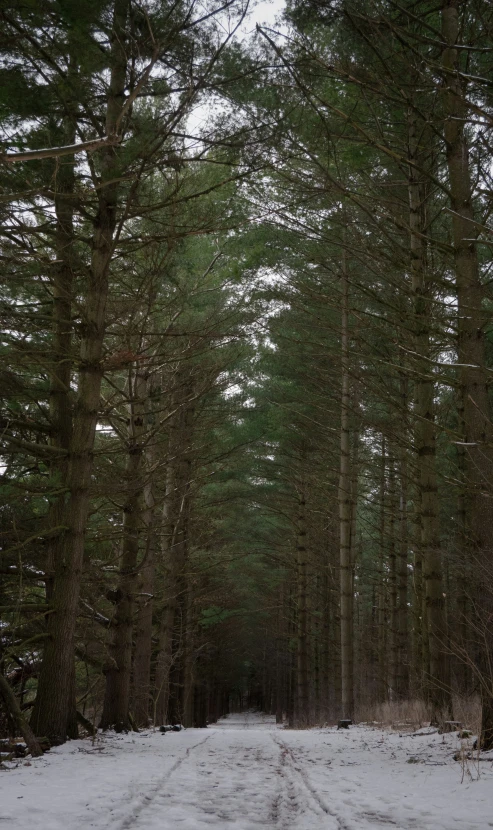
[(244, 774)]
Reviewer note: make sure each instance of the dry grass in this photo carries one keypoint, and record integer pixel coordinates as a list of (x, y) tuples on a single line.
[(402, 714), (413, 714), (467, 710)]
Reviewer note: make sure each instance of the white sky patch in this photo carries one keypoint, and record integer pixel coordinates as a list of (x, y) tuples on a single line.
[(266, 12), (263, 12)]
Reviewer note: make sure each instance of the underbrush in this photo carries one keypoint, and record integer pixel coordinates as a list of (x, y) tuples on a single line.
[(414, 714)]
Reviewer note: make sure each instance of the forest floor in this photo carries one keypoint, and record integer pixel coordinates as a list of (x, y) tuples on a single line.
[(245, 774)]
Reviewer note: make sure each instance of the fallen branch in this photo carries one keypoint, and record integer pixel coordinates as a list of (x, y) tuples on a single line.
[(101, 665), (88, 726), (21, 723), (55, 152)]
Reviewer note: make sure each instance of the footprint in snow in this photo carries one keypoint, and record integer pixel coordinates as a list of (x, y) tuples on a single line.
[(379, 817)]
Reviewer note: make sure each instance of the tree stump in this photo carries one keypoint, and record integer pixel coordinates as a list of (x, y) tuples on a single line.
[(450, 726)]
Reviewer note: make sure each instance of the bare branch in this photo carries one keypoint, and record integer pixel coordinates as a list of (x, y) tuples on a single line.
[(52, 152)]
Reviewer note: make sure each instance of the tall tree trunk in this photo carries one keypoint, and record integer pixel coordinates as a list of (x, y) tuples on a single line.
[(141, 670), (279, 647), (437, 679), (345, 513), (382, 679), (393, 597), (292, 653), (60, 403), (116, 708), (164, 658), (54, 704), (472, 319), (175, 540), (188, 656), (326, 679), (166, 614), (303, 661), (354, 539), (402, 686)]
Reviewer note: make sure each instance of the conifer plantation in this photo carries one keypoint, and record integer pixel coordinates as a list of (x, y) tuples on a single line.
[(246, 363)]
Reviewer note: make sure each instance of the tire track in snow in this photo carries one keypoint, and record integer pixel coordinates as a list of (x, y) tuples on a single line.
[(369, 816), (295, 771), (153, 792), (291, 800)]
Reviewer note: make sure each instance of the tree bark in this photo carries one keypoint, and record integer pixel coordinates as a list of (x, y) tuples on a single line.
[(393, 588), (141, 673), (175, 538), (55, 687), (382, 678), (303, 657), (189, 688), (116, 708), (402, 686), (472, 320), (345, 513), (437, 677), (61, 414)]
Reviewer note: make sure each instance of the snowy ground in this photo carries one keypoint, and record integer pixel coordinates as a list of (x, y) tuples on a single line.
[(245, 774)]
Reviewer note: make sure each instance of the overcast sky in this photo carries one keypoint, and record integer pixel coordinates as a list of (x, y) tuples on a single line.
[(265, 11)]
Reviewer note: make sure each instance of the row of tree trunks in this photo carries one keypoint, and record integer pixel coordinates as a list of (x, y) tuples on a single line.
[(434, 628), (116, 709), (176, 510)]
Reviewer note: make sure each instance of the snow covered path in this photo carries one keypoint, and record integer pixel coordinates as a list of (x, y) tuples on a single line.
[(244, 774)]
